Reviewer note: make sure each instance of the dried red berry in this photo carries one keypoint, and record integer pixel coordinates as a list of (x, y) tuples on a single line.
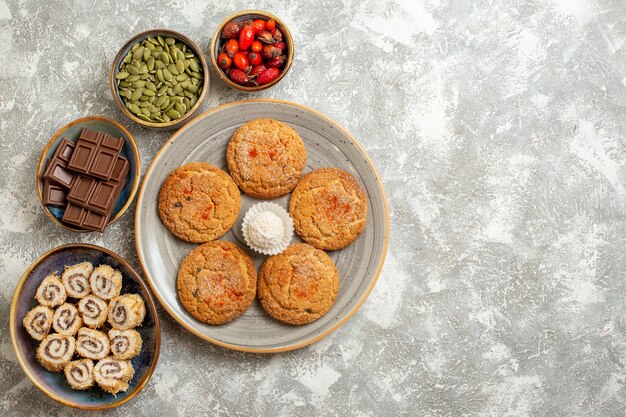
[(265, 37), (277, 62), (254, 58), (277, 35), (256, 46), (231, 30), (232, 47), (258, 25), (280, 45), (267, 76), (256, 70), (270, 25), (241, 61), (270, 51), (224, 61), (246, 37), (238, 76)]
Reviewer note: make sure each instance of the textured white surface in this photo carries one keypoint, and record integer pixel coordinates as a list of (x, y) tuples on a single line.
[(498, 128)]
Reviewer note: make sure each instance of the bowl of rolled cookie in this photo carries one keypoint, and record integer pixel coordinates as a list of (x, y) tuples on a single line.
[(84, 327)]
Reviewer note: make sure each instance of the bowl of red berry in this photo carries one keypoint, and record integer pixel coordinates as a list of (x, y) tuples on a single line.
[(252, 50)]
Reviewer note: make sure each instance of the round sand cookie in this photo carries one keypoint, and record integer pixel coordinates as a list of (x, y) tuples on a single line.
[(328, 208), (199, 202), (216, 282), (266, 158), (299, 285)]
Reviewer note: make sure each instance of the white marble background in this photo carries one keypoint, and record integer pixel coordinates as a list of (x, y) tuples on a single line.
[(498, 129)]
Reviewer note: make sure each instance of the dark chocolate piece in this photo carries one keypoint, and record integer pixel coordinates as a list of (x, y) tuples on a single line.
[(102, 198), (112, 142), (64, 150), (81, 191), (103, 163), (120, 170), (89, 135), (95, 221), (74, 215), (53, 195), (82, 156), (57, 173)]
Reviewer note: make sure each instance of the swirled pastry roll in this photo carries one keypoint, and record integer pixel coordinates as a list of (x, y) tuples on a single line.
[(94, 310), (113, 375), (51, 292), (126, 311), (79, 374), (76, 279), (38, 321), (92, 344), (55, 351), (106, 282), (66, 320), (125, 344)]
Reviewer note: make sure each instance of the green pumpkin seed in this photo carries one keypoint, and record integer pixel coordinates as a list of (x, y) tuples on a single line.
[(162, 90), (134, 108), (165, 103), (150, 63), (170, 41), (173, 114), (168, 108), (167, 75), (172, 68), (128, 58), (151, 85), (194, 66), (152, 41), (144, 76), (192, 88), (177, 89), (143, 69), (138, 53), (159, 119), (182, 77), (186, 83), (124, 84), (186, 102), (159, 75), (132, 78), (180, 66), (122, 75), (179, 108), (176, 99), (137, 94), (156, 54), (165, 58), (197, 75), (139, 84), (148, 92), (192, 101), (146, 53), (135, 46), (149, 46), (132, 69), (159, 65), (143, 104), (160, 101), (189, 55), (160, 40), (166, 118), (144, 117)]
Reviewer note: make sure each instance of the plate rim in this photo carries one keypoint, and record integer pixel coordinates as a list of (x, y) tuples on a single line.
[(340, 322), (18, 353)]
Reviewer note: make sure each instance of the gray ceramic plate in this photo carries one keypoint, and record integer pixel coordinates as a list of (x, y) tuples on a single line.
[(205, 139)]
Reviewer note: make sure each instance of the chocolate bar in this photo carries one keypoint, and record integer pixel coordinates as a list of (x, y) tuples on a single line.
[(57, 173), (95, 154), (64, 150), (93, 172), (53, 195)]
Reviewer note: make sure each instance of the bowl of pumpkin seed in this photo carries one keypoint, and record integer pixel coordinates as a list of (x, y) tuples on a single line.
[(159, 79)]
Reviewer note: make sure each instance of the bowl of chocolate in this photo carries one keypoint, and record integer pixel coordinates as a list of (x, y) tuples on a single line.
[(88, 174), (159, 79)]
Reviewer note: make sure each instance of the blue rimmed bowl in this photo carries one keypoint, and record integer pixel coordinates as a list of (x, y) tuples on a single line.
[(53, 384), (129, 151)]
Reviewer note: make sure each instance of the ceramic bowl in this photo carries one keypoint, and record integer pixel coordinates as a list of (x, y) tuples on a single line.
[(53, 384), (129, 151), (173, 124), (217, 43)]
